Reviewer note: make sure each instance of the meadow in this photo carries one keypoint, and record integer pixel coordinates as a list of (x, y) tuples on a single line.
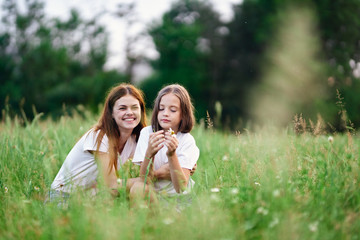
[(265, 184)]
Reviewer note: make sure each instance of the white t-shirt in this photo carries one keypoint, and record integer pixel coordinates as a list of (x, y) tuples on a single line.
[(80, 168), (187, 153)]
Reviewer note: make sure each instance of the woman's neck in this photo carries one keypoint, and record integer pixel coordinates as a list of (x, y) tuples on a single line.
[(124, 136)]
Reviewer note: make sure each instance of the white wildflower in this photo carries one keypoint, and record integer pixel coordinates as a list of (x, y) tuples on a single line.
[(214, 197), (36, 188), (330, 139), (234, 191), (215, 190), (257, 184), (172, 133), (276, 193), (6, 190), (168, 221), (274, 222), (225, 158), (262, 211), (313, 226)]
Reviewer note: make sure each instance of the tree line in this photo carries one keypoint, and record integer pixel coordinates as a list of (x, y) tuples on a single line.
[(48, 63)]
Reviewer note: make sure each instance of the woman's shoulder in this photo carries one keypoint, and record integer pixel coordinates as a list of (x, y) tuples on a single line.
[(93, 133)]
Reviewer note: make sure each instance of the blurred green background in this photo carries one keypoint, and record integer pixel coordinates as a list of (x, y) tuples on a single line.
[(273, 60)]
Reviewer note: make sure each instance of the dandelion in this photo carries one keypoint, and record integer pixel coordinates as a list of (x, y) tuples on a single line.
[(215, 190), (330, 139), (313, 226), (276, 193), (6, 190), (234, 191), (36, 188), (168, 221), (257, 184)]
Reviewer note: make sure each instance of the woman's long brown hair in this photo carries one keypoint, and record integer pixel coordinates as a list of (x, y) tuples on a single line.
[(107, 124)]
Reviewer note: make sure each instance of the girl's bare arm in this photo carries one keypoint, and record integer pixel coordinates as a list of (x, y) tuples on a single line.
[(179, 176), (155, 144)]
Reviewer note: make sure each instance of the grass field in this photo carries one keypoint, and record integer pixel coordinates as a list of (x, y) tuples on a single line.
[(271, 184)]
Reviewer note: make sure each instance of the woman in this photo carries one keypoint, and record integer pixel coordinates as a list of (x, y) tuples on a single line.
[(115, 135)]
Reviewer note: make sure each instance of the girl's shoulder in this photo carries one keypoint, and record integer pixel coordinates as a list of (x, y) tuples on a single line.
[(186, 137), (146, 130)]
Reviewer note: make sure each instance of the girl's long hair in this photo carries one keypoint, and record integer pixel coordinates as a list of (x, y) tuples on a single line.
[(107, 125)]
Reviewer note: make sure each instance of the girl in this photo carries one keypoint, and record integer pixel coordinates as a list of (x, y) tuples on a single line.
[(112, 141), (167, 142)]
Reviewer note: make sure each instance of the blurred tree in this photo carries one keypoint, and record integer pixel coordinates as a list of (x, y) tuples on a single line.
[(249, 33), (189, 40), (134, 56), (50, 62), (339, 24), (293, 79), (252, 31)]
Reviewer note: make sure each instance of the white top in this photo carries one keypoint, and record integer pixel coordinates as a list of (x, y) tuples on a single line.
[(80, 168), (187, 153)]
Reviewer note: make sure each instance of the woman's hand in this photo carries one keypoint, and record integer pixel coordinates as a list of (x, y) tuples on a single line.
[(171, 143), (156, 141)]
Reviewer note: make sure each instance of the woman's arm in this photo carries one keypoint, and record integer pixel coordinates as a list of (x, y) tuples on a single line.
[(110, 178), (163, 173)]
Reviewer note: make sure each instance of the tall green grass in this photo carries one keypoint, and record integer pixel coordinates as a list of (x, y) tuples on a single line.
[(271, 184)]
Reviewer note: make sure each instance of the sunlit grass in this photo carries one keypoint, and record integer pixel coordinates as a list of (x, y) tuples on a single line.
[(271, 184)]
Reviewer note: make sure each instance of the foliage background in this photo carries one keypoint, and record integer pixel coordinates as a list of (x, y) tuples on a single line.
[(48, 63)]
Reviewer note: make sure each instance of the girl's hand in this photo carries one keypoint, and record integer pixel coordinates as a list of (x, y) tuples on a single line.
[(171, 143), (156, 141)]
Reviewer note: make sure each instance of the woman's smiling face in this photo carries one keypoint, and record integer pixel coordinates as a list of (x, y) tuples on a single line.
[(127, 112)]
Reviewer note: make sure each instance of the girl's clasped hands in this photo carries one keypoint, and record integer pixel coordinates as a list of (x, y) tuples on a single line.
[(161, 138)]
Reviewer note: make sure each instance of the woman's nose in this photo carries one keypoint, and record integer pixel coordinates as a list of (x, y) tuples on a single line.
[(129, 111)]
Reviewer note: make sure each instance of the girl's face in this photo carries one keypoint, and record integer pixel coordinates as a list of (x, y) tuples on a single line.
[(169, 115), (127, 113)]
